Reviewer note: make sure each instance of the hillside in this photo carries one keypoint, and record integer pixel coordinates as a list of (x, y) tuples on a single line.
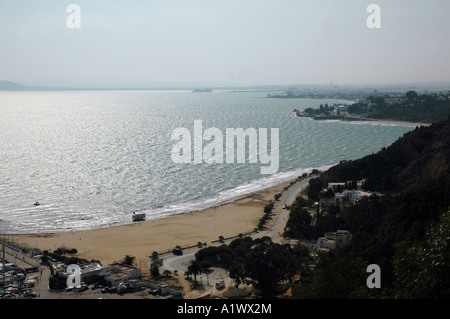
[(11, 86), (420, 156), (405, 230)]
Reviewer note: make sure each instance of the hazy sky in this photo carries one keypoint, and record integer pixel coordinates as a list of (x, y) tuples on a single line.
[(224, 42)]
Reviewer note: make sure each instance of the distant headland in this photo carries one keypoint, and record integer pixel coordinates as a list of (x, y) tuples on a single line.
[(202, 90), (11, 86)]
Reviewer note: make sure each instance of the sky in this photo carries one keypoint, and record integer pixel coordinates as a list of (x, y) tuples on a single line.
[(131, 43)]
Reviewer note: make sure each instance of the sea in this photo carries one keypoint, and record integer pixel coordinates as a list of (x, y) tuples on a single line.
[(92, 158)]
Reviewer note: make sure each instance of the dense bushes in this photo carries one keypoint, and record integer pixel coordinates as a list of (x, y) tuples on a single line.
[(259, 262)]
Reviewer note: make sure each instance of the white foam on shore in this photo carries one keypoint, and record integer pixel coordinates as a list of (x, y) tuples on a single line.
[(231, 194), (220, 198), (375, 123)]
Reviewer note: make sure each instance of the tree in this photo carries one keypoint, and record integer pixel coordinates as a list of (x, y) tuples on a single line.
[(206, 264), (336, 276), (268, 264), (155, 263), (167, 273), (298, 224), (195, 269), (314, 188), (128, 260), (422, 269), (309, 110), (57, 282), (411, 95), (237, 273)]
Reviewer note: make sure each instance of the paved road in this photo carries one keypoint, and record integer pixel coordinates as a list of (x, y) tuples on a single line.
[(276, 229), (42, 287), (275, 232)]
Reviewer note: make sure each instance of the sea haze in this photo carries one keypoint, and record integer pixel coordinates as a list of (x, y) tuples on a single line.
[(92, 158)]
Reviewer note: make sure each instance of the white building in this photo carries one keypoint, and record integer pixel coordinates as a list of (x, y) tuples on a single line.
[(86, 271), (335, 186), (114, 274), (351, 196), (332, 240), (360, 184), (118, 273), (324, 245)]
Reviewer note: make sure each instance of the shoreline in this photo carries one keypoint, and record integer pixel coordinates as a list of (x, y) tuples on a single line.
[(219, 198), (140, 239), (390, 122), (373, 121)]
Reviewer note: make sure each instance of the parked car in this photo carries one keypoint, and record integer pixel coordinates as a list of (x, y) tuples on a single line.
[(177, 251)]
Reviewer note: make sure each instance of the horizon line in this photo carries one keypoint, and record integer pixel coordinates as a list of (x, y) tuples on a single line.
[(16, 86)]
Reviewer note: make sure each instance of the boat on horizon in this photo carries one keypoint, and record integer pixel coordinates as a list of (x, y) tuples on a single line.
[(201, 90)]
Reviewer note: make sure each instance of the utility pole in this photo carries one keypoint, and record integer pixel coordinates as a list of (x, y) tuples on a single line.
[(3, 260)]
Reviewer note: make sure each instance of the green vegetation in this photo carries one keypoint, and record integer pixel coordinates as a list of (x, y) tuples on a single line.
[(322, 110), (406, 231), (429, 108), (128, 260), (263, 220), (195, 269), (301, 225), (155, 263), (57, 283), (427, 263), (60, 255), (259, 262), (411, 106)]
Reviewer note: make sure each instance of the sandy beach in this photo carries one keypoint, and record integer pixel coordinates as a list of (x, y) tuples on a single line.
[(394, 122), (383, 121), (140, 239)]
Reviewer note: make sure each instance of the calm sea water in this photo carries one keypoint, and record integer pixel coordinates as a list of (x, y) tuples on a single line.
[(91, 158)]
